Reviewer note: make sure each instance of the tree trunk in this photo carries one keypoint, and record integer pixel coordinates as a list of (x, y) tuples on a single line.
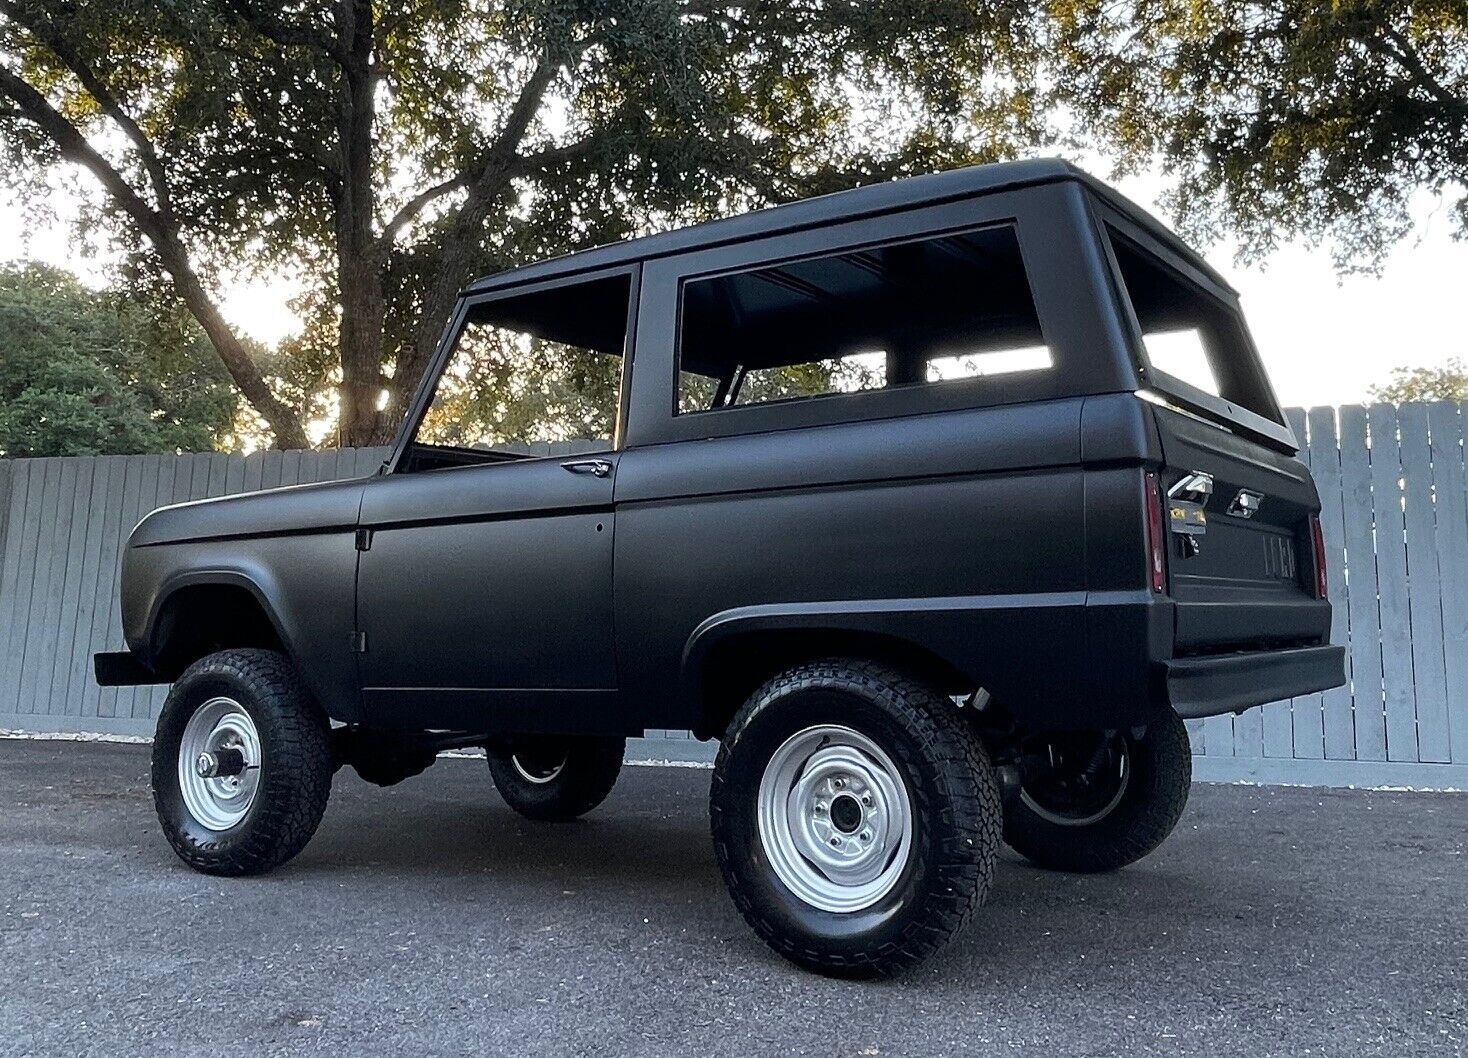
[(359, 256)]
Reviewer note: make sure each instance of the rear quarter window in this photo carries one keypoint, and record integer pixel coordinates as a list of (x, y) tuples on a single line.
[(931, 312)]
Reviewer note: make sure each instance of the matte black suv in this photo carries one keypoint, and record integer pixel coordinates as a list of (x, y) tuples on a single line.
[(940, 503)]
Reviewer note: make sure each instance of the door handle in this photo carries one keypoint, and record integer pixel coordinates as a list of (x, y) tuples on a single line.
[(597, 467)]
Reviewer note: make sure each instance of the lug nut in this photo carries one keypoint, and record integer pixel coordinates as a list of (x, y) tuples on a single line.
[(838, 783), (835, 843), (866, 835)]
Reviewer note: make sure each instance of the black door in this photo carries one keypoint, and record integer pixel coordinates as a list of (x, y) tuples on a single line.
[(484, 582), (485, 595)]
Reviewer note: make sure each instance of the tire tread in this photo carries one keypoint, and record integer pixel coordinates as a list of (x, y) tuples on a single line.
[(287, 813), (968, 815)]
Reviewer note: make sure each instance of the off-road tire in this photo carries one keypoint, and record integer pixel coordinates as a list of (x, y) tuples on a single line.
[(590, 769), (956, 812), (295, 768), (1161, 766)]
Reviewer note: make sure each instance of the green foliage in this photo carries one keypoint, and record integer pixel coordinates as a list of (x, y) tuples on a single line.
[(1278, 118), (1449, 382), (503, 388), (390, 152), (85, 373)]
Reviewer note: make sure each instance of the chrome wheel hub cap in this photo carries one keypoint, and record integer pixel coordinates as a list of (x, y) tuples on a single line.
[(219, 764), (835, 818)]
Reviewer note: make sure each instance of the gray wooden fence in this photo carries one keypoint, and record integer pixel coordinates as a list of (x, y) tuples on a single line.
[(1393, 481)]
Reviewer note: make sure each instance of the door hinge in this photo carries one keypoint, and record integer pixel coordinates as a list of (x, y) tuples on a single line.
[(364, 539), (359, 642)]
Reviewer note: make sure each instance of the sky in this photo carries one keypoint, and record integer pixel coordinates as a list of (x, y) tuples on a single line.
[(1325, 339)]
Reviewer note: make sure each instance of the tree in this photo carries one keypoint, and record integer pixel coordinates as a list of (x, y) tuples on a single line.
[(1279, 118), (391, 151), (87, 373), (1449, 382)]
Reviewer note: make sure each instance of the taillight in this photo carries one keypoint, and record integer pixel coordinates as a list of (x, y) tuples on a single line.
[(1317, 544), (1156, 536)]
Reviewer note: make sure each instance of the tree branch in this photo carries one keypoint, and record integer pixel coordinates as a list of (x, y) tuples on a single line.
[(162, 232), (109, 103), (495, 170), (417, 204), (287, 35), (1406, 56)]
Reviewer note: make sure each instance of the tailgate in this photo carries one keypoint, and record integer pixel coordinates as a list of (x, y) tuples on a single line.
[(1240, 561)]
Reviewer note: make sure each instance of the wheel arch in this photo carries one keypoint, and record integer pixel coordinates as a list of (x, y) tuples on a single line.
[(200, 611), (730, 655)]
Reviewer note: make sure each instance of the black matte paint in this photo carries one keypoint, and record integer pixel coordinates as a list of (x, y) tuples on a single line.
[(993, 526)]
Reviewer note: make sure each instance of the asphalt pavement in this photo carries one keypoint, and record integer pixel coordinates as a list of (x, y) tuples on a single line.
[(428, 919)]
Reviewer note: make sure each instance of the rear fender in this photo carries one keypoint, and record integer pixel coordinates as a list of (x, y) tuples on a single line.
[(1030, 652)]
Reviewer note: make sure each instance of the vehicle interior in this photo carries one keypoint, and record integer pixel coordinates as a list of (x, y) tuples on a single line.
[(937, 309)]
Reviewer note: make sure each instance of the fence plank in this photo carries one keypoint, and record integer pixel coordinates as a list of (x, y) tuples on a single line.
[(1325, 467), (127, 519), (1450, 486), (5, 473), (147, 699), (63, 654), (28, 486), (1424, 595), (1391, 577), (78, 687), (15, 577), (254, 471), (40, 640), (272, 472), (1307, 711), (1367, 692), (104, 610)]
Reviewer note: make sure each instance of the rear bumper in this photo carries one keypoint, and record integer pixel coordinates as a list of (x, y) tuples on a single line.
[(1231, 683), (122, 668)]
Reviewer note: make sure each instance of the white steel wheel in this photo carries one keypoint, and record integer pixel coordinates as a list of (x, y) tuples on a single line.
[(835, 818), (538, 768), (219, 764)]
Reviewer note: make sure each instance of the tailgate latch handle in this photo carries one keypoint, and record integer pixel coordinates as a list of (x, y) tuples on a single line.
[(1185, 502), (1195, 487)]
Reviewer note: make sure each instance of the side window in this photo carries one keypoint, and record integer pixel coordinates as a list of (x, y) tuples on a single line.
[(922, 312), (1189, 333), (528, 375)]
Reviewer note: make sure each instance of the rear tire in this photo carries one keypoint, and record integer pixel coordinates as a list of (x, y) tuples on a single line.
[(1124, 811), (855, 816), (553, 779), (249, 707)]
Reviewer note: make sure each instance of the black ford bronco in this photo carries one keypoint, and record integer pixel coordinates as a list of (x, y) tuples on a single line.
[(940, 503)]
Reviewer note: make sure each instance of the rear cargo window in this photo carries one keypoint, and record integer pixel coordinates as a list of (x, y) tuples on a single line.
[(1188, 335), (928, 312)]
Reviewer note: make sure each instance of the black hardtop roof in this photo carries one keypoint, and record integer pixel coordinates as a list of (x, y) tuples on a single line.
[(890, 196)]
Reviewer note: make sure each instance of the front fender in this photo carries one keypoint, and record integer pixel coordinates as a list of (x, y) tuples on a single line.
[(304, 585)]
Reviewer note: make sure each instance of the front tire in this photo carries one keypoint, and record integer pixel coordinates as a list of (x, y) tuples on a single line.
[(242, 763), (1098, 801), (552, 779), (855, 816)]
